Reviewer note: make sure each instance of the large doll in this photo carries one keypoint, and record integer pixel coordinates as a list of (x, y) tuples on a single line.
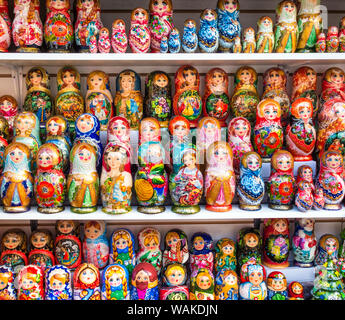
[(208, 33), (58, 283), (41, 248), (115, 283), (265, 35), (176, 247), (253, 282), (139, 34), (144, 284), (119, 39), (5, 25), (249, 246), (86, 282), (201, 255)]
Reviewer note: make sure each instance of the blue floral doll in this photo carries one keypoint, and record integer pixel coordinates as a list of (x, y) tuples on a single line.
[(174, 41), (226, 285), (208, 33), (144, 282), (201, 253), (328, 247), (7, 288), (189, 37), (58, 283), (115, 283)]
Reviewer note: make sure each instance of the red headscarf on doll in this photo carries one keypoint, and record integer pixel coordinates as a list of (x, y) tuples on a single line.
[(329, 85)]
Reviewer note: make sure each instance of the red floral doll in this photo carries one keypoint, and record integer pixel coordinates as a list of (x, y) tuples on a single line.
[(9, 110), (119, 40), (333, 85), (139, 34), (31, 283), (5, 27)]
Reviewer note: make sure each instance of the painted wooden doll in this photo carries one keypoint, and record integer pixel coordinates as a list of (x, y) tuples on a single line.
[(67, 245), (164, 46), (276, 243), (58, 27), (208, 34), (93, 45), (144, 283), (220, 178), (189, 36), (41, 249), (7, 288), (342, 35), (286, 28), (98, 100), (227, 283), (277, 286), (187, 100), (174, 41), (320, 45), (237, 45), (228, 24), (27, 28), (4, 139), (103, 43), (202, 285), (161, 21), (5, 26), (225, 255), (249, 246), (176, 247), (9, 110), (31, 283), (295, 291), (88, 23), (328, 247), (115, 283), (332, 40), (119, 132), (139, 33), (16, 182), (83, 182), (58, 283), (201, 255), (304, 199), (249, 42), (86, 282), (245, 97), (158, 99), (265, 35), (119, 39), (174, 282), (128, 100), (216, 100), (95, 244)]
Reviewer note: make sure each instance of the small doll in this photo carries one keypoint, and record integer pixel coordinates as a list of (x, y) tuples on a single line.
[(164, 46), (31, 283), (226, 285), (128, 100), (277, 286), (276, 243), (208, 33), (95, 244), (176, 247), (202, 285), (58, 283), (67, 245), (320, 45), (27, 28), (286, 28), (16, 182), (5, 26), (328, 247), (225, 255), (201, 255), (86, 282), (93, 45), (58, 27), (295, 291), (265, 35), (7, 288), (342, 35), (189, 37), (319, 200), (333, 86), (115, 283), (220, 178), (158, 99), (253, 282), (119, 40), (237, 48), (9, 110), (304, 199), (249, 246), (216, 100), (83, 182), (174, 41), (4, 139), (144, 282), (41, 251), (139, 33), (249, 42), (118, 132), (104, 44), (332, 40), (174, 282), (228, 24)]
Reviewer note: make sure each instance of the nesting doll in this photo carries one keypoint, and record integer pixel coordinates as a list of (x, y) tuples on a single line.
[(276, 243), (67, 245), (208, 33), (7, 288), (189, 36), (286, 28), (98, 100), (88, 23), (115, 283), (27, 28), (31, 283), (103, 43), (119, 40), (328, 247), (227, 283), (144, 282), (176, 247), (16, 182), (277, 286), (342, 35), (93, 45), (128, 100), (228, 24), (225, 255), (86, 282), (161, 21), (304, 199), (320, 45), (201, 255), (5, 25), (41, 249), (58, 27), (9, 110), (237, 48), (4, 139), (245, 97), (265, 35), (83, 182), (174, 282), (332, 40), (158, 99), (164, 46), (249, 42), (216, 100), (58, 283), (249, 246), (333, 85), (119, 132), (139, 33), (149, 240), (202, 284), (174, 41), (295, 291), (220, 178)]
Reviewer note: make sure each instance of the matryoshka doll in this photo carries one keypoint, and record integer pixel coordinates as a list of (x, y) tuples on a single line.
[(88, 23), (225, 255), (174, 282), (332, 40), (158, 98), (320, 45), (216, 100), (27, 28), (119, 40), (31, 283), (95, 244), (174, 41), (7, 289), (5, 26), (187, 100), (139, 33), (58, 283), (41, 249), (16, 182), (86, 282), (228, 23), (277, 286), (115, 283), (202, 284), (328, 247), (342, 35), (9, 110), (208, 34), (176, 247), (306, 190), (118, 133), (201, 255), (333, 85), (161, 21), (265, 35), (4, 139), (227, 284), (295, 291), (144, 282), (220, 178), (67, 245), (249, 42), (103, 43), (276, 243), (189, 37), (58, 27), (249, 246)]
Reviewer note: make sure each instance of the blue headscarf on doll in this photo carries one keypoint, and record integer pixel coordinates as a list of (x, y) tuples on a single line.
[(208, 37), (123, 233), (53, 294), (207, 243), (9, 274), (226, 27), (189, 38), (113, 289)]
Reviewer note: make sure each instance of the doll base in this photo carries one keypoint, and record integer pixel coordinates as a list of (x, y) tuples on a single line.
[(332, 207), (303, 158), (280, 206), (276, 265), (250, 207), (186, 209), (84, 210), (18, 209), (59, 50), (28, 49), (50, 210), (303, 264), (3, 50), (151, 210), (218, 208), (116, 211)]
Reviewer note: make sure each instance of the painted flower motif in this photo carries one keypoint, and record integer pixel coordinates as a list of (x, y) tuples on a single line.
[(45, 190), (272, 141), (59, 28), (286, 189)]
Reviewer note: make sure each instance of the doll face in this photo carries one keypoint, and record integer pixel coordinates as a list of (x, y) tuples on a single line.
[(311, 74), (199, 243), (84, 156), (267, 23), (121, 243), (39, 240), (115, 280), (217, 79), (241, 128), (275, 78), (204, 282), (3, 284), (104, 33), (339, 110), (68, 78), (230, 280), (87, 4), (251, 240), (65, 227), (230, 5), (119, 26), (6, 105), (250, 33), (189, 160), (160, 5), (304, 111), (142, 277), (58, 4), (330, 246), (127, 83), (253, 163), (45, 160), (114, 160), (297, 289), (151, 245), (228, 249), (189, 76), (333, 161), (92, 232), (96, 81), (175, 276), (27, 283), (221, 155), (309, 224), (307, 174), (278, 284), (256, 277), (289, 8), (180, 130), (53, 127), (245, 76), (280, 226), (12, 241), (209, 15), (85, 124), (161, 81), (284, 163), (16, 155), (35, 78), (87, 276), (210, 129), (307, 187), (173, 241), (57, 285), (24, 124), (140, 16), (337, 77), (119, 129), (190, 24)]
